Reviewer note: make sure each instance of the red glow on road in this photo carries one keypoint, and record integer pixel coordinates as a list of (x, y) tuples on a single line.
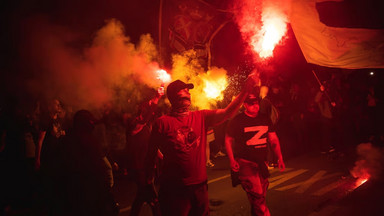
[(361, 181)]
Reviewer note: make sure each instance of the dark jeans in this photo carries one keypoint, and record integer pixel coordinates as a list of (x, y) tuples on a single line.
[(184, 200), (145, 193), (255, 185)]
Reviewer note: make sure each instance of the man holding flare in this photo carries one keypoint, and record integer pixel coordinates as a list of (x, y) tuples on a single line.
[(181, 137)]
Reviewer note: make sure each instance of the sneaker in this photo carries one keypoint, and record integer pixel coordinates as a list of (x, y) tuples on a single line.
[(220, 154), (209, 164)]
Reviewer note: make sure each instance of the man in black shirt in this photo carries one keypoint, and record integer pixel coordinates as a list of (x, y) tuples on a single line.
[(246, 142)]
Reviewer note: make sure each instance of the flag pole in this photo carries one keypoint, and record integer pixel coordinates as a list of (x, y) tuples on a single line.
[(317, 78), (160, 32), (325, 91)]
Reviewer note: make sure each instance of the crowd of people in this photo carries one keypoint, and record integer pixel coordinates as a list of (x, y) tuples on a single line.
[(56, 162)]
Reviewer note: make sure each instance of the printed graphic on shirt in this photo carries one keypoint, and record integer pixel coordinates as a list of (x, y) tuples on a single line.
[(258, 140), (187, 139)]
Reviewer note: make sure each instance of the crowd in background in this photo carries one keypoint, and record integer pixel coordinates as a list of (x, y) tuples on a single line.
[(341, 112)]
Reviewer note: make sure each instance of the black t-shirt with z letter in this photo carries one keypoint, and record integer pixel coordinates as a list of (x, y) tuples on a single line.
[(250, 136)]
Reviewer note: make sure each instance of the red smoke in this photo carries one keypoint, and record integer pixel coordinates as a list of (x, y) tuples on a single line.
[(369, 165), (262, 23), (87, 76)]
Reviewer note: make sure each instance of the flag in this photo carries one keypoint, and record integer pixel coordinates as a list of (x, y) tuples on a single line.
[(190, 24), (335, 46)]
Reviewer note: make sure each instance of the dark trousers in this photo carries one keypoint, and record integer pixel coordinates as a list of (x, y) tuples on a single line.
[(145, 193), (184, 200), (255, 185)]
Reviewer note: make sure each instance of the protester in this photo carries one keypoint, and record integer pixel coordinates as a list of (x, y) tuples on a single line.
[(113, 121), (181, 137), (296, 110), (52, 130), (138, 133), (246, 141), (16, 170), (267, 109), (265, 103), (327, 123), (85, 173)]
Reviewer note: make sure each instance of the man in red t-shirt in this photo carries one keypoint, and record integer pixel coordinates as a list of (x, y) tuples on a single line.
[(181, 137), (246, 142)]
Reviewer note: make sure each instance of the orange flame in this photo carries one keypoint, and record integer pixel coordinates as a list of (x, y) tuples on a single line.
[(214, 88), (163, 76)]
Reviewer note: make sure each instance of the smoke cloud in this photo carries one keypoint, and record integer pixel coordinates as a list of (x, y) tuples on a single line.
[(187, 68), (110, 68), (369, 163)]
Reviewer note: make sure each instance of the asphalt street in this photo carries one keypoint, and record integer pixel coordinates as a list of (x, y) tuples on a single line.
[(312, 184)]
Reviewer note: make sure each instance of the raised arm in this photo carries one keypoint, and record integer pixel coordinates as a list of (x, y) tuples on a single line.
[(223, 114), (146, 113)]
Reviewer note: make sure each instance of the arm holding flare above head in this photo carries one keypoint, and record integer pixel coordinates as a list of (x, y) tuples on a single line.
[(147, 112), (252, 81)]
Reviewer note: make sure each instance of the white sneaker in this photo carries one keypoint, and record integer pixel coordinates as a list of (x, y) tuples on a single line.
[(209, 164), (220, 154)]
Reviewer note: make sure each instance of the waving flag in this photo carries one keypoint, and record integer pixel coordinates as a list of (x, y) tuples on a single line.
[(335, 46)]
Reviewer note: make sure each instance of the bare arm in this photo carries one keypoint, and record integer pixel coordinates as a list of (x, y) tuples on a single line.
[(138, 128), (275, 146), (38, 149), (231, 109), (160, 93), (138, 125), (228, 146)]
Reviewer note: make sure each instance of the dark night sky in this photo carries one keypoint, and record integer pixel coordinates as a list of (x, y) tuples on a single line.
[(85, 17), (141, 16)]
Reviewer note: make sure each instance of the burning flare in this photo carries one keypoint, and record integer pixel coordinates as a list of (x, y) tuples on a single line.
[(272, 31), (214, 88), (262, 23), (163, 76), (361, 181)]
